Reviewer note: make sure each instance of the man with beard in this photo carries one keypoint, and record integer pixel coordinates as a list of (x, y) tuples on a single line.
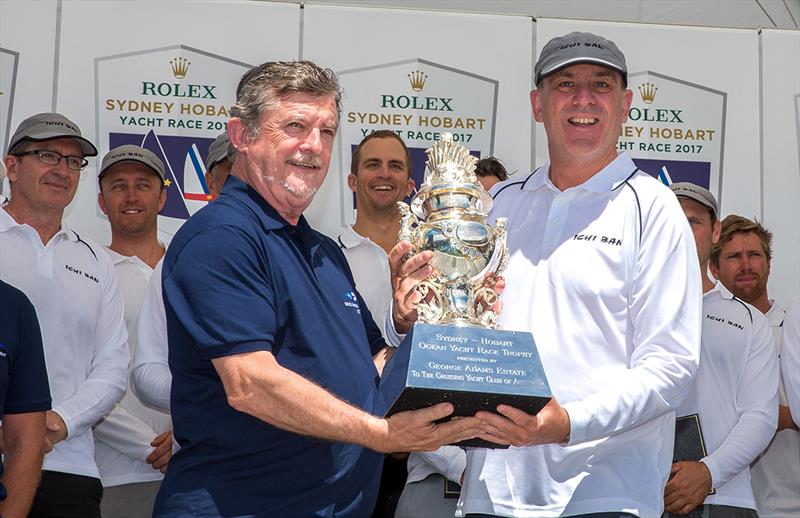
[(275, 359), (735, 392), (741, 261), (133, 443), (72, 284)]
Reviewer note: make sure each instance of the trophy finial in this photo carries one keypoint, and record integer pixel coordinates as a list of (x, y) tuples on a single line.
[(449, 162)]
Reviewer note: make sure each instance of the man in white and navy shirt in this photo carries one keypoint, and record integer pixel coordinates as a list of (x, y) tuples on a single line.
[(604, 274), (133, 443), (72, 285), (735, 392)]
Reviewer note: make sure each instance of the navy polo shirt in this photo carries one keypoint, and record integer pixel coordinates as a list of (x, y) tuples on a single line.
[(238, 278), (23, 376)]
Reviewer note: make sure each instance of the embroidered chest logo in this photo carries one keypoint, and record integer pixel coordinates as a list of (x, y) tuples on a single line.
[(598, 238), (351, 301), (724, 320), (78, 271)]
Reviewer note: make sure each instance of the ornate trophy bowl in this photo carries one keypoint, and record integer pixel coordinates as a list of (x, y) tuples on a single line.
[(448, 217), (455, 352)]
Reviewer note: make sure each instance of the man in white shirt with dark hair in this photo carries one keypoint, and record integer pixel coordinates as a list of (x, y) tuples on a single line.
[(735, 392), (133, 443)]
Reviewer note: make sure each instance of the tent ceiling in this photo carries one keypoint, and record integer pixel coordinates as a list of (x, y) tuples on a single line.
[(744, 14)]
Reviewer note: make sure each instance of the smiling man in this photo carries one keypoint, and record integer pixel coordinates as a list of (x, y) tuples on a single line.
[(133, 443), (380, 176), (603, 272), (274, 385), (72, 285)]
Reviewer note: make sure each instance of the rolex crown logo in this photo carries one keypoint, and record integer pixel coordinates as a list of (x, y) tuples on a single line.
[(180, 66), (417, 80), (648, 92)]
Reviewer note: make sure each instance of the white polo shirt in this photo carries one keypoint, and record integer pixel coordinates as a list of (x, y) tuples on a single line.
[(735, 393), (790, 362), (72, 285), (122, 438), (605, 276), (151, 378), (370, 267), (776, 472)]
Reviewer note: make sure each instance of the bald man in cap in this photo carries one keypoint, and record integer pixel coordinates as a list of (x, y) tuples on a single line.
[(218, 163)]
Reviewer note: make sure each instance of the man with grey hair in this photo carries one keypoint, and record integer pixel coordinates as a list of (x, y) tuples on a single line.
[(275, 357)]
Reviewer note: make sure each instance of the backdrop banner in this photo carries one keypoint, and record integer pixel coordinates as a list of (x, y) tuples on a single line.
[(780, 104), (173, 101), (440, 77), (693, 110), (163, 77)]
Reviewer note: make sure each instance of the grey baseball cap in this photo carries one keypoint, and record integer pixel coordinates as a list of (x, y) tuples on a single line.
[(131, 153), (579, 47), (699, 194), (219, 150), (49, 126)]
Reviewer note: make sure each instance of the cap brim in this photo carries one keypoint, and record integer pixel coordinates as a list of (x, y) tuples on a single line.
[(575, 61), (86, 146), (112, 164)]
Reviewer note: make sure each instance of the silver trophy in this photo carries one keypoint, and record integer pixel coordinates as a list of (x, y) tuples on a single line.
[(448, 217)]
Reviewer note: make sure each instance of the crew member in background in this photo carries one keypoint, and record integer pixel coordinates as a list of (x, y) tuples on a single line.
[(133, 443), (741, 261), (735, 391)]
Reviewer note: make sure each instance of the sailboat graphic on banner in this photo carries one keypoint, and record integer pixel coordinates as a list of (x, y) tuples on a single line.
[(194, 177), (184, 175)]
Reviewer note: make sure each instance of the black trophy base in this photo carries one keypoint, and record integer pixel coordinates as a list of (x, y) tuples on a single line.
[(465, 404)]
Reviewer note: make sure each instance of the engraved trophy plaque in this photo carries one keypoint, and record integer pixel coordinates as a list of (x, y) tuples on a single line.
[(455, 352)]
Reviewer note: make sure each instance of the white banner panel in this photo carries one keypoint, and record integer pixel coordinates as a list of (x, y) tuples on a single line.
[(468, 75), (780, 52), (27, 47), (695, 106), (162, 75)]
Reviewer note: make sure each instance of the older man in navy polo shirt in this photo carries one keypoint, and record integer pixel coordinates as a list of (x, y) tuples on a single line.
[(274, 392)]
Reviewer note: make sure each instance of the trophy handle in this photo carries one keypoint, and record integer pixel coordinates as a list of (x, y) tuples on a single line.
[(499, 260), (408, 224)]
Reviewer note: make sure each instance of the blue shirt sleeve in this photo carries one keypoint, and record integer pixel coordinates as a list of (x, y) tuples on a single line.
[(224, 301), (21, 340)]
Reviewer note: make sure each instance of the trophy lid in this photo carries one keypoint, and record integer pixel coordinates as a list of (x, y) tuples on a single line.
[(450, 167)]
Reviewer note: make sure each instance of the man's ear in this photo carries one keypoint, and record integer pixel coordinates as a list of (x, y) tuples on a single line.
[(410, 186), (237, 132), (536, 105), (101, 200), (351, 182)]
